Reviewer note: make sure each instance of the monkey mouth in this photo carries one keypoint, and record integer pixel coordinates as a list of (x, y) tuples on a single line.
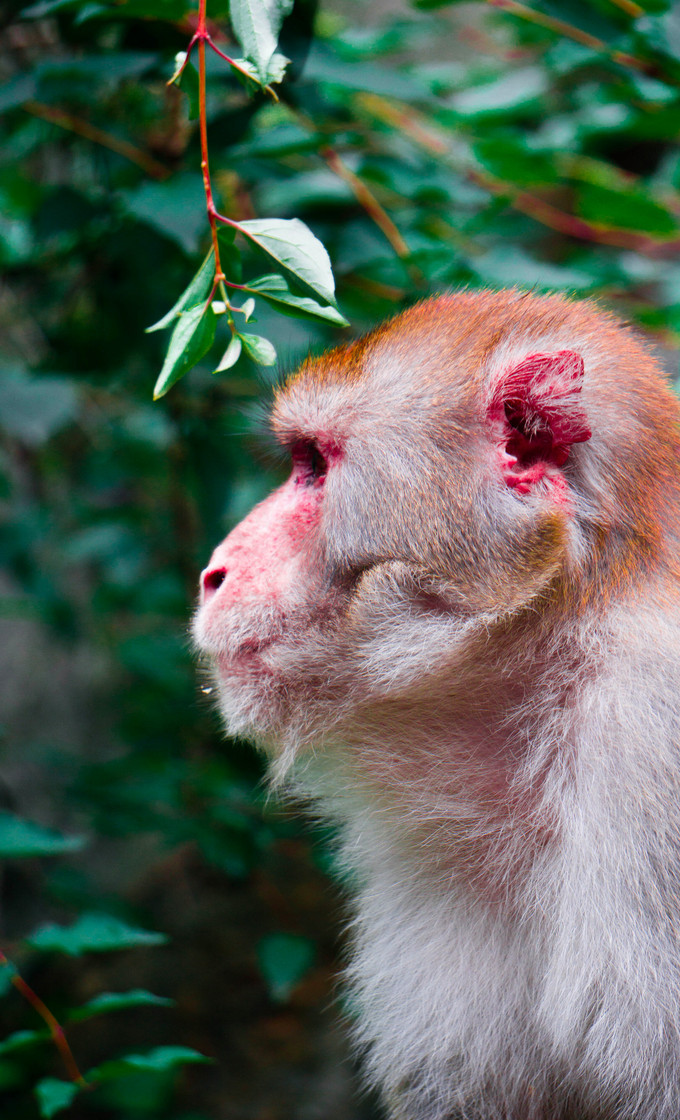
[(245, 655)]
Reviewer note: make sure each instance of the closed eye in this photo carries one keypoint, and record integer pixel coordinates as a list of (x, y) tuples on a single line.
[(309, 465)]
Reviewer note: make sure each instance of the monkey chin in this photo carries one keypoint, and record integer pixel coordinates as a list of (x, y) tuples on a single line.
[(262, 705)]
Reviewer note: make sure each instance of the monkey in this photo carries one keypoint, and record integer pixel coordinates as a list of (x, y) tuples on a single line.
[(455, 629)]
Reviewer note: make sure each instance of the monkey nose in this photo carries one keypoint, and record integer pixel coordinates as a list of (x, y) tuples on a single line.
[(211, 581)]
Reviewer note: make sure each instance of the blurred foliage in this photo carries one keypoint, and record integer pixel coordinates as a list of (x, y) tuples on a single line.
[(480, 144)]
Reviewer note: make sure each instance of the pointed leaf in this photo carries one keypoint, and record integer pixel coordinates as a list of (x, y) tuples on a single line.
[(191, 339), (117, 1001), (197, 292), (54, 1095), (22, 839), (21, 1040), (256, 24), (174, 207), (276, 70), (186, 79), (626, 209), (94, 933), (275, 291), (259, 349), (284, 959), (161, 1059), (231, 355), (292, 244)]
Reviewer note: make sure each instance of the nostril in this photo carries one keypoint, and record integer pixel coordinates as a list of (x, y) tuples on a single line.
[(212, 580)]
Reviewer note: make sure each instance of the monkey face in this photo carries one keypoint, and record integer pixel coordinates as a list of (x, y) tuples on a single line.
[(439, 486)]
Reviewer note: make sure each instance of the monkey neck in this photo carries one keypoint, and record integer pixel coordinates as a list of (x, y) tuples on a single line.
[(466, 776), (457, 772)]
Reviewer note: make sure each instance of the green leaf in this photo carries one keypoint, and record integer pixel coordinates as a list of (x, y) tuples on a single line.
[(259, 349), (176, 208), (652, 90), (662, 33), (117, 1001), (274, 289), (93, 933), (191, 339), (7, 972), (256, 24), (230, 255), (624, 209), (284, 958), (512, 162), (515, 90), (34, 408), (22, 1040), (186, 79), (284, 139), (92, 70), (46, 7), (325, 65), (159, 1060), (430, 5), (276, 70), (21, 88), (23, 839), (54, 1096), (197, 292), (231, 355), (509, 264), (585, 15), (292, 245)]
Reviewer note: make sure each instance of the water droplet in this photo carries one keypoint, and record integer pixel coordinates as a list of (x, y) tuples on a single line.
[(207, 691)]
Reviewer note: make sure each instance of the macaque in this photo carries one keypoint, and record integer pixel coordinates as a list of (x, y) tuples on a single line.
[(456, 628)]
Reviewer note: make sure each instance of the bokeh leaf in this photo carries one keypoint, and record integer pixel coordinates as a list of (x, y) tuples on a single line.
[(33, 408), (92, 933), (284, 959), (631, 209), (22, 839), (54, 1095), (106, 1002), (175, 208), (159, 1060)]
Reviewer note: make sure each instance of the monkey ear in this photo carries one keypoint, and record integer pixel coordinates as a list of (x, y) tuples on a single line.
[(536, 415)]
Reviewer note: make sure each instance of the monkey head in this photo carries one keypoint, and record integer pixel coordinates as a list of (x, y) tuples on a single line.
[(444, 485)]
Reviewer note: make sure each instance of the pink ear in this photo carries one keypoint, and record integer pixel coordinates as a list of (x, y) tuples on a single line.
[(537, 415)]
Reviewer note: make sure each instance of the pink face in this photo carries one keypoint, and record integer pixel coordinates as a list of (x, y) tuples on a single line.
[(265, 592)]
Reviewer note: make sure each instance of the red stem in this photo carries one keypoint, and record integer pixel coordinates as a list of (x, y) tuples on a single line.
[(55, 1028), (201, 36)]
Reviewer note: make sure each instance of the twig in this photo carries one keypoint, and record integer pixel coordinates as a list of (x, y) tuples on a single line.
[(629, 8), (200, 36), (90, 132), (366, 199), (561, 27), (55, 1028)]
